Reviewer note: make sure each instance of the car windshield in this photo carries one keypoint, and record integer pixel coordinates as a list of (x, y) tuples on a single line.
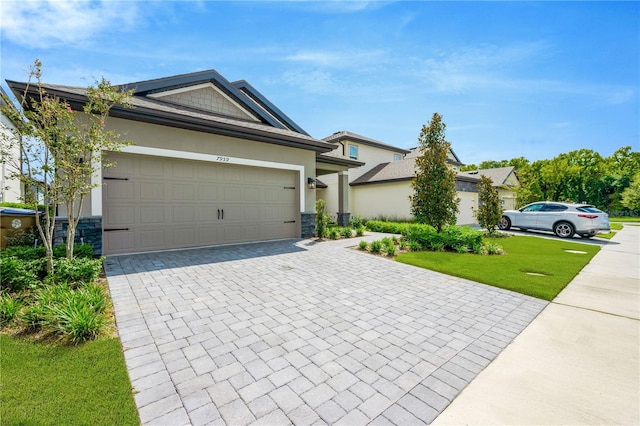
[(588, 209)]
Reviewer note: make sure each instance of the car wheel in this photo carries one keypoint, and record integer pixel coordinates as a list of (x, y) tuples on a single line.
[(563, 230), (504, 224)]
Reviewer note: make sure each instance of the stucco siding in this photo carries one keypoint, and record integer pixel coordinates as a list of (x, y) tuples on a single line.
[(369, 155), (163, 137), (389, 200), (10, 188)]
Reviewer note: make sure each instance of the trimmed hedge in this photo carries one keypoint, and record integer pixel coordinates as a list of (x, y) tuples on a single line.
[(454, 238)]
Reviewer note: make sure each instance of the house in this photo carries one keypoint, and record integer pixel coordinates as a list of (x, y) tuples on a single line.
[(211, 162), (10, 186), (381, 188), (505, 180)]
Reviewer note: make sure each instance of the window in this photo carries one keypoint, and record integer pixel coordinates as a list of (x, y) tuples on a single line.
[(353, 152), (553, 208), (532, 208), (397, 157)]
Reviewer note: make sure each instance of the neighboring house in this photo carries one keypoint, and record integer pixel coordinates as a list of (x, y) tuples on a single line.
[(10, 186), (505, 180), (382, 186), (212, 162)]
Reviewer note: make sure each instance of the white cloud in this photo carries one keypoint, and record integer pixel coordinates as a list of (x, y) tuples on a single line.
[(340, 58), (44, 24)]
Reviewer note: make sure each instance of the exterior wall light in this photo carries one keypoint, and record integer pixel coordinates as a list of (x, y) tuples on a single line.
[(311, 183)]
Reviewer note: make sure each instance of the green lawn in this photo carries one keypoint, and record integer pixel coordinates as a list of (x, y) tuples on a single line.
[(65, 385), (524, 254), (624, 219)]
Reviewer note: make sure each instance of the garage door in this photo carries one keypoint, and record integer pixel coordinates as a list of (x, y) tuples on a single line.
[(157, 203)]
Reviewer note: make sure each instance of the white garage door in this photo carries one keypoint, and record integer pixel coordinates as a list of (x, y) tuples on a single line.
[(156, 203)]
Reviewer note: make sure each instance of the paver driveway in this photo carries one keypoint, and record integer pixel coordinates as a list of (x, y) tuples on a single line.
[(304, 333)]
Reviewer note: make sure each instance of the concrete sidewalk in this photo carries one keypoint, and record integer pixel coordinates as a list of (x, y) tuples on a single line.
[(578, 361)]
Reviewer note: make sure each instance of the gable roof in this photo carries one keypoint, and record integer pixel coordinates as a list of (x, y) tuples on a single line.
[(397, 171), (269, 127), (241, 92), (498, 175), (345, 135), (452, 158), (266, 105)]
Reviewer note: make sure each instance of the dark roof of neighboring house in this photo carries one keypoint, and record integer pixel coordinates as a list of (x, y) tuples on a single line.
[(152, 110), (396, 171), (498, 175), (320, 184), (415, 152), (346, 135)]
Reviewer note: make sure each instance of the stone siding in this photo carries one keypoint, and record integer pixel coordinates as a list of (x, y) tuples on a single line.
[(89, 230), (308, 225)]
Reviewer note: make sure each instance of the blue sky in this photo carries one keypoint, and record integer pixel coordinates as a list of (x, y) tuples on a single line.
[(511, 79)]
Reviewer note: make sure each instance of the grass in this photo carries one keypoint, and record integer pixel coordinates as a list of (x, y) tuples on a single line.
[(609, 235), (624, 219), (65, 385), (524, 255)]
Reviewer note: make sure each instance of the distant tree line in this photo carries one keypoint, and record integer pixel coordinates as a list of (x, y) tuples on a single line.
[(609, 183)]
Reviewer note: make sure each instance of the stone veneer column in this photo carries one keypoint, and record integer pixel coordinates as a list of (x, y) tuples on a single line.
[(89, 230), (308, 225)]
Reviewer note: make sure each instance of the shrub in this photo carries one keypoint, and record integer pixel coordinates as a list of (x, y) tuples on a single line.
[(415, 246), (77, 321), (493, 248), (333, 233), (376, 246), (386, 227), (9, 308), (76, 270), (24, 252), (360, 231), (391, 250), (363, 245), (22, 238), (356, 222), (322, 218), (19, 274), (346, 232), (387, 242)]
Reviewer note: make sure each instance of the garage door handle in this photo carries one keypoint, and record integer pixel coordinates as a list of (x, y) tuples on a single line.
[(218, 214), (289, 221), (115, 178), (115, 229), (222, 214)]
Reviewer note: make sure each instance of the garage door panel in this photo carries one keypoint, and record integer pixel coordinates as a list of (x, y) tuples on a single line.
[(152, 239), (184, 214), (152, 214), (170, 203), (120, 190), (183, 192), (119, 241), (150, 191), (207, 192), (181, 170), (151, 167), (119, 216), (232, 193)]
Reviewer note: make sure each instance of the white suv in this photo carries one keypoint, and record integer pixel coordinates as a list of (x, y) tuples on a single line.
[(563, 219)]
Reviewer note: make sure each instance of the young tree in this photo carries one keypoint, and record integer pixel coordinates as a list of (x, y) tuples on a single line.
[(322, 218), (434, 200), (62, 149), (490, 210)]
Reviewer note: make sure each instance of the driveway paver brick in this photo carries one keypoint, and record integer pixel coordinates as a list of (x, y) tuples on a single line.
[(299, 332)]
